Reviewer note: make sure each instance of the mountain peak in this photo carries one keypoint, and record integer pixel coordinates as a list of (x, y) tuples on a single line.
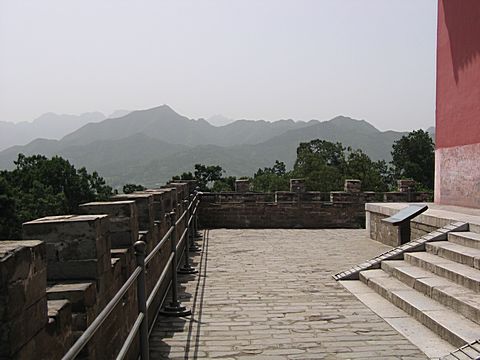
[(348, 123)]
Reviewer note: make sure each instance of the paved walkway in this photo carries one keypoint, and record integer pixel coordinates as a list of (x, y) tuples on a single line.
[(269, 294)]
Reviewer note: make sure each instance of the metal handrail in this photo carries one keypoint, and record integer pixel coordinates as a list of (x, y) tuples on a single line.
[(159, 282), (131, 336), (141, 323), (180, 241), (159, 245), (90, 331), (180, 219)]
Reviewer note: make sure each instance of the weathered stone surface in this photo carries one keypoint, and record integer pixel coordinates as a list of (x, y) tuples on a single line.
[(253, 302), (182, 190), (352, 185), (80, 295), (159, 196), (122, 218), (23, 304), (170, 198), (75, 243), (242, 186), (297, 185), (18, 331), (23, 276), (144, 204)]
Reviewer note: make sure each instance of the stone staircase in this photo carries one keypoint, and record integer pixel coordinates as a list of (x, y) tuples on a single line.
[(439, 287)]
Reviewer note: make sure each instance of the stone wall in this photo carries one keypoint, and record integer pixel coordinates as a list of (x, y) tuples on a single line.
[(387, 233), (57, 279), (283, 209)]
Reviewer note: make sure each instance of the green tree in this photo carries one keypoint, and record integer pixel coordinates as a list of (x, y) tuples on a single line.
[(413, 156), (184, 176), (40, 187), (130, 188), (206, 175), (8, 219), (322, 164), (224, 184), (361, 167), (271, 179)]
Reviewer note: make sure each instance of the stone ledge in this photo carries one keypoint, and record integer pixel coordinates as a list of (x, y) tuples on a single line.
[(397, 253)]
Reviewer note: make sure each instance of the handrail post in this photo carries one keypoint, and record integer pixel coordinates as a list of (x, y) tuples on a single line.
[(142, 299), (196, 233), (192, 231), (186, 268), (174, 308)]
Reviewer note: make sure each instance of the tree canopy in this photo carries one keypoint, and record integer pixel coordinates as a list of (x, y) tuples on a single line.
[(39, 187), (130, 188), (413, 157), (209, 178)]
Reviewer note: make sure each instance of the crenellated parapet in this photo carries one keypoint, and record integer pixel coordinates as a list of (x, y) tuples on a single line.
[(299, 208), (56, 281)]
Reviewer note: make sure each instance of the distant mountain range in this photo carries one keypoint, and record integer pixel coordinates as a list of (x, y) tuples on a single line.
[(48, 126), (150, 146)]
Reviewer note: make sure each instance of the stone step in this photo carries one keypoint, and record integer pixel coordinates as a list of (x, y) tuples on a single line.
[(418, 334), (446, 292), (458, 273), (465, 238), (449, 325), (59, 316), (82, 297), (458, 253)]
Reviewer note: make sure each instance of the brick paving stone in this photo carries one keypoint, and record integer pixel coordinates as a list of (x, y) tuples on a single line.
[(269, 294)]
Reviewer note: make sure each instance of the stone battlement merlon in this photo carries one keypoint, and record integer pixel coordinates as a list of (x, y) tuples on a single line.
[(68, 267)]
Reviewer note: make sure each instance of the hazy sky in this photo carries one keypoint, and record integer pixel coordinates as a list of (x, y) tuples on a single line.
[(272, 59)]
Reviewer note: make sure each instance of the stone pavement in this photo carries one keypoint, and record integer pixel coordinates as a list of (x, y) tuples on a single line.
[(269, 294)]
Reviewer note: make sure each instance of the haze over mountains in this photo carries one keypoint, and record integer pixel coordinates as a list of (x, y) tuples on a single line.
[(150, 146), (48, 126)]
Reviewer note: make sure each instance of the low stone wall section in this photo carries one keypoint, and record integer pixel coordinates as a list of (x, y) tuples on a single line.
[(57, 279), (309, 210)]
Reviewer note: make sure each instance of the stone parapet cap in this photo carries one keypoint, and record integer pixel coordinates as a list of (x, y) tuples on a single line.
[(66, 218), (132, 196), (6, 245), (109, 203), (436, 215)]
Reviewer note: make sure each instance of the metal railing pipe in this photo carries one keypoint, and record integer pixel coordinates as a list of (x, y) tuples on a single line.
[(95, 325), (174, 308), (158, 246), (142, 299), (155, 289), (131, 336)]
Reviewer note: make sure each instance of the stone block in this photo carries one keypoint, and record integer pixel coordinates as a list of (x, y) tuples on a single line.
[(192, 184), (16, 332), (75, 244), (352, 186), (120, 209), (406, 185), (81, 295), (60, 316), (122, 218), (144, 204), (23, 276), (285, 196), (159, 196), (242, 186), (181, 190), (169, 199)]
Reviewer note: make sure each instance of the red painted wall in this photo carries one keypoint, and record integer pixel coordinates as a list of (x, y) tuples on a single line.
[(458, 73), (457, 154)]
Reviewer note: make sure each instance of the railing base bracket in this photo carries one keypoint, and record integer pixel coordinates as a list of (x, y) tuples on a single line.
[(175, 310), (187, 269), (195, 248)]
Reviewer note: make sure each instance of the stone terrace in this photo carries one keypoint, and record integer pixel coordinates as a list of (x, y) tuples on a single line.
[(269, 294)]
